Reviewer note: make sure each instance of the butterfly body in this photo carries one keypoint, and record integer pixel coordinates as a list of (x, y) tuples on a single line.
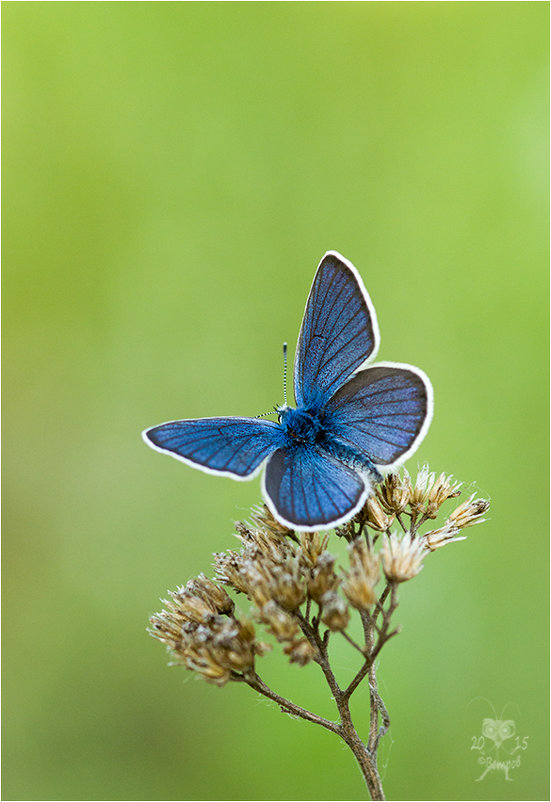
[(323, 456), (313, 428)]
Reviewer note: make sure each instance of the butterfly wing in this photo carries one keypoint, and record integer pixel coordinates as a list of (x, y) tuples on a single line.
[(307, 489), (384, 410), (339, 331), (233, 447)]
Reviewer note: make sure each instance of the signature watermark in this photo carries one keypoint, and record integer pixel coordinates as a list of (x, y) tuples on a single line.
[(498, 746)]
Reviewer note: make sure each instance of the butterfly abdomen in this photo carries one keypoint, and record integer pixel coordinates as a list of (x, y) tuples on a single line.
[(353, 457)]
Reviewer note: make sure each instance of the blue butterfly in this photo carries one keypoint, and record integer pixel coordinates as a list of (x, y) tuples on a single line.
[(325, 455)]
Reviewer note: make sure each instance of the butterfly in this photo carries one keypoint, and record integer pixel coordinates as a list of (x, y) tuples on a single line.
[(324, 456)]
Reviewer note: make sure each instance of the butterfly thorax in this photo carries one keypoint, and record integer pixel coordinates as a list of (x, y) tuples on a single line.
[(301, 426), (311, 427)]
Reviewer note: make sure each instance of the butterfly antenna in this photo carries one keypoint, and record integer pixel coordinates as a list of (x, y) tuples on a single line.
[(277, 409), (285, 374)]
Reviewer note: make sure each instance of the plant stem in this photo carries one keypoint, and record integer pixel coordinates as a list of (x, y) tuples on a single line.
[(287, 706), (366, 759), (365, 754)]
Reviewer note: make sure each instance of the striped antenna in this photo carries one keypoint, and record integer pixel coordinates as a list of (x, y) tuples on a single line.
[(277, 409)]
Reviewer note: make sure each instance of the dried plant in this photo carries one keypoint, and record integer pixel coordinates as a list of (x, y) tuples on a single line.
[(302, 599)]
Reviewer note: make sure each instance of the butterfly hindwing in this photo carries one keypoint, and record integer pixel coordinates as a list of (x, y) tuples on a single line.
[(339, 331), (384, 410), (307, 489), (232, 446)]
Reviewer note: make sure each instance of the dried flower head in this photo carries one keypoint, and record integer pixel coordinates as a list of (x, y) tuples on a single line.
[(211, 593), (334, 612), (421, 490), (437, 538), (293, 584), (215, 647), (402, 557), (395, 492), (362, 576), (469, 513), (262, 519), (375, 515), (443, 488), (282, 625), (312, 546), (322, 578), (300, 651)]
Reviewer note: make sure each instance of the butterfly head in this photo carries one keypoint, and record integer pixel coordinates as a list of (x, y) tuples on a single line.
[(300, 425)]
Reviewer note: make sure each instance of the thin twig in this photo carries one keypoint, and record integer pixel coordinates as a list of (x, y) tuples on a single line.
[(351, 641), (287, 706)]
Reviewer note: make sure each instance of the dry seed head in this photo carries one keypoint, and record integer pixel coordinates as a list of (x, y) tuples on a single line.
[(213, 648), (261, 648), (278, 622), (200, 660), (262, 518), (288, 586), (402, 557), (395, 492), (166, 628), (246, 629), (469, 513), (334, 612), (300, 651), (364, 573), (184, 605), (228, 568), (441, 537), (323, 577), (443, 489), (258, 581), (375, 516), (211, 593), (312, 546), (420, 494)]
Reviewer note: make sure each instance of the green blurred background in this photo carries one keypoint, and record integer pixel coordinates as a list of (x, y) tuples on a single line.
[(173, 173)]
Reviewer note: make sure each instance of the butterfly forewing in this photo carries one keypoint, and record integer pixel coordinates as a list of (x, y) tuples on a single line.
[(339, 332), (384, 410), (307, 489), (233, 446)]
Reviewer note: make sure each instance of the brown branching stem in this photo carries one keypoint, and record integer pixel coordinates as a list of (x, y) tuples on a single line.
[(375, 637), (293, 588)]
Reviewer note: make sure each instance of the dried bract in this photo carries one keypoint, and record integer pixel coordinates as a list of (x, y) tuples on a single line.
[(300, 651), (214, 649), (469, 513), (312, 546), (283, 626), (443, 488), (364, 573), (437, 538), (395, 492), (402, 557), (322, 578), (334, 612)]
